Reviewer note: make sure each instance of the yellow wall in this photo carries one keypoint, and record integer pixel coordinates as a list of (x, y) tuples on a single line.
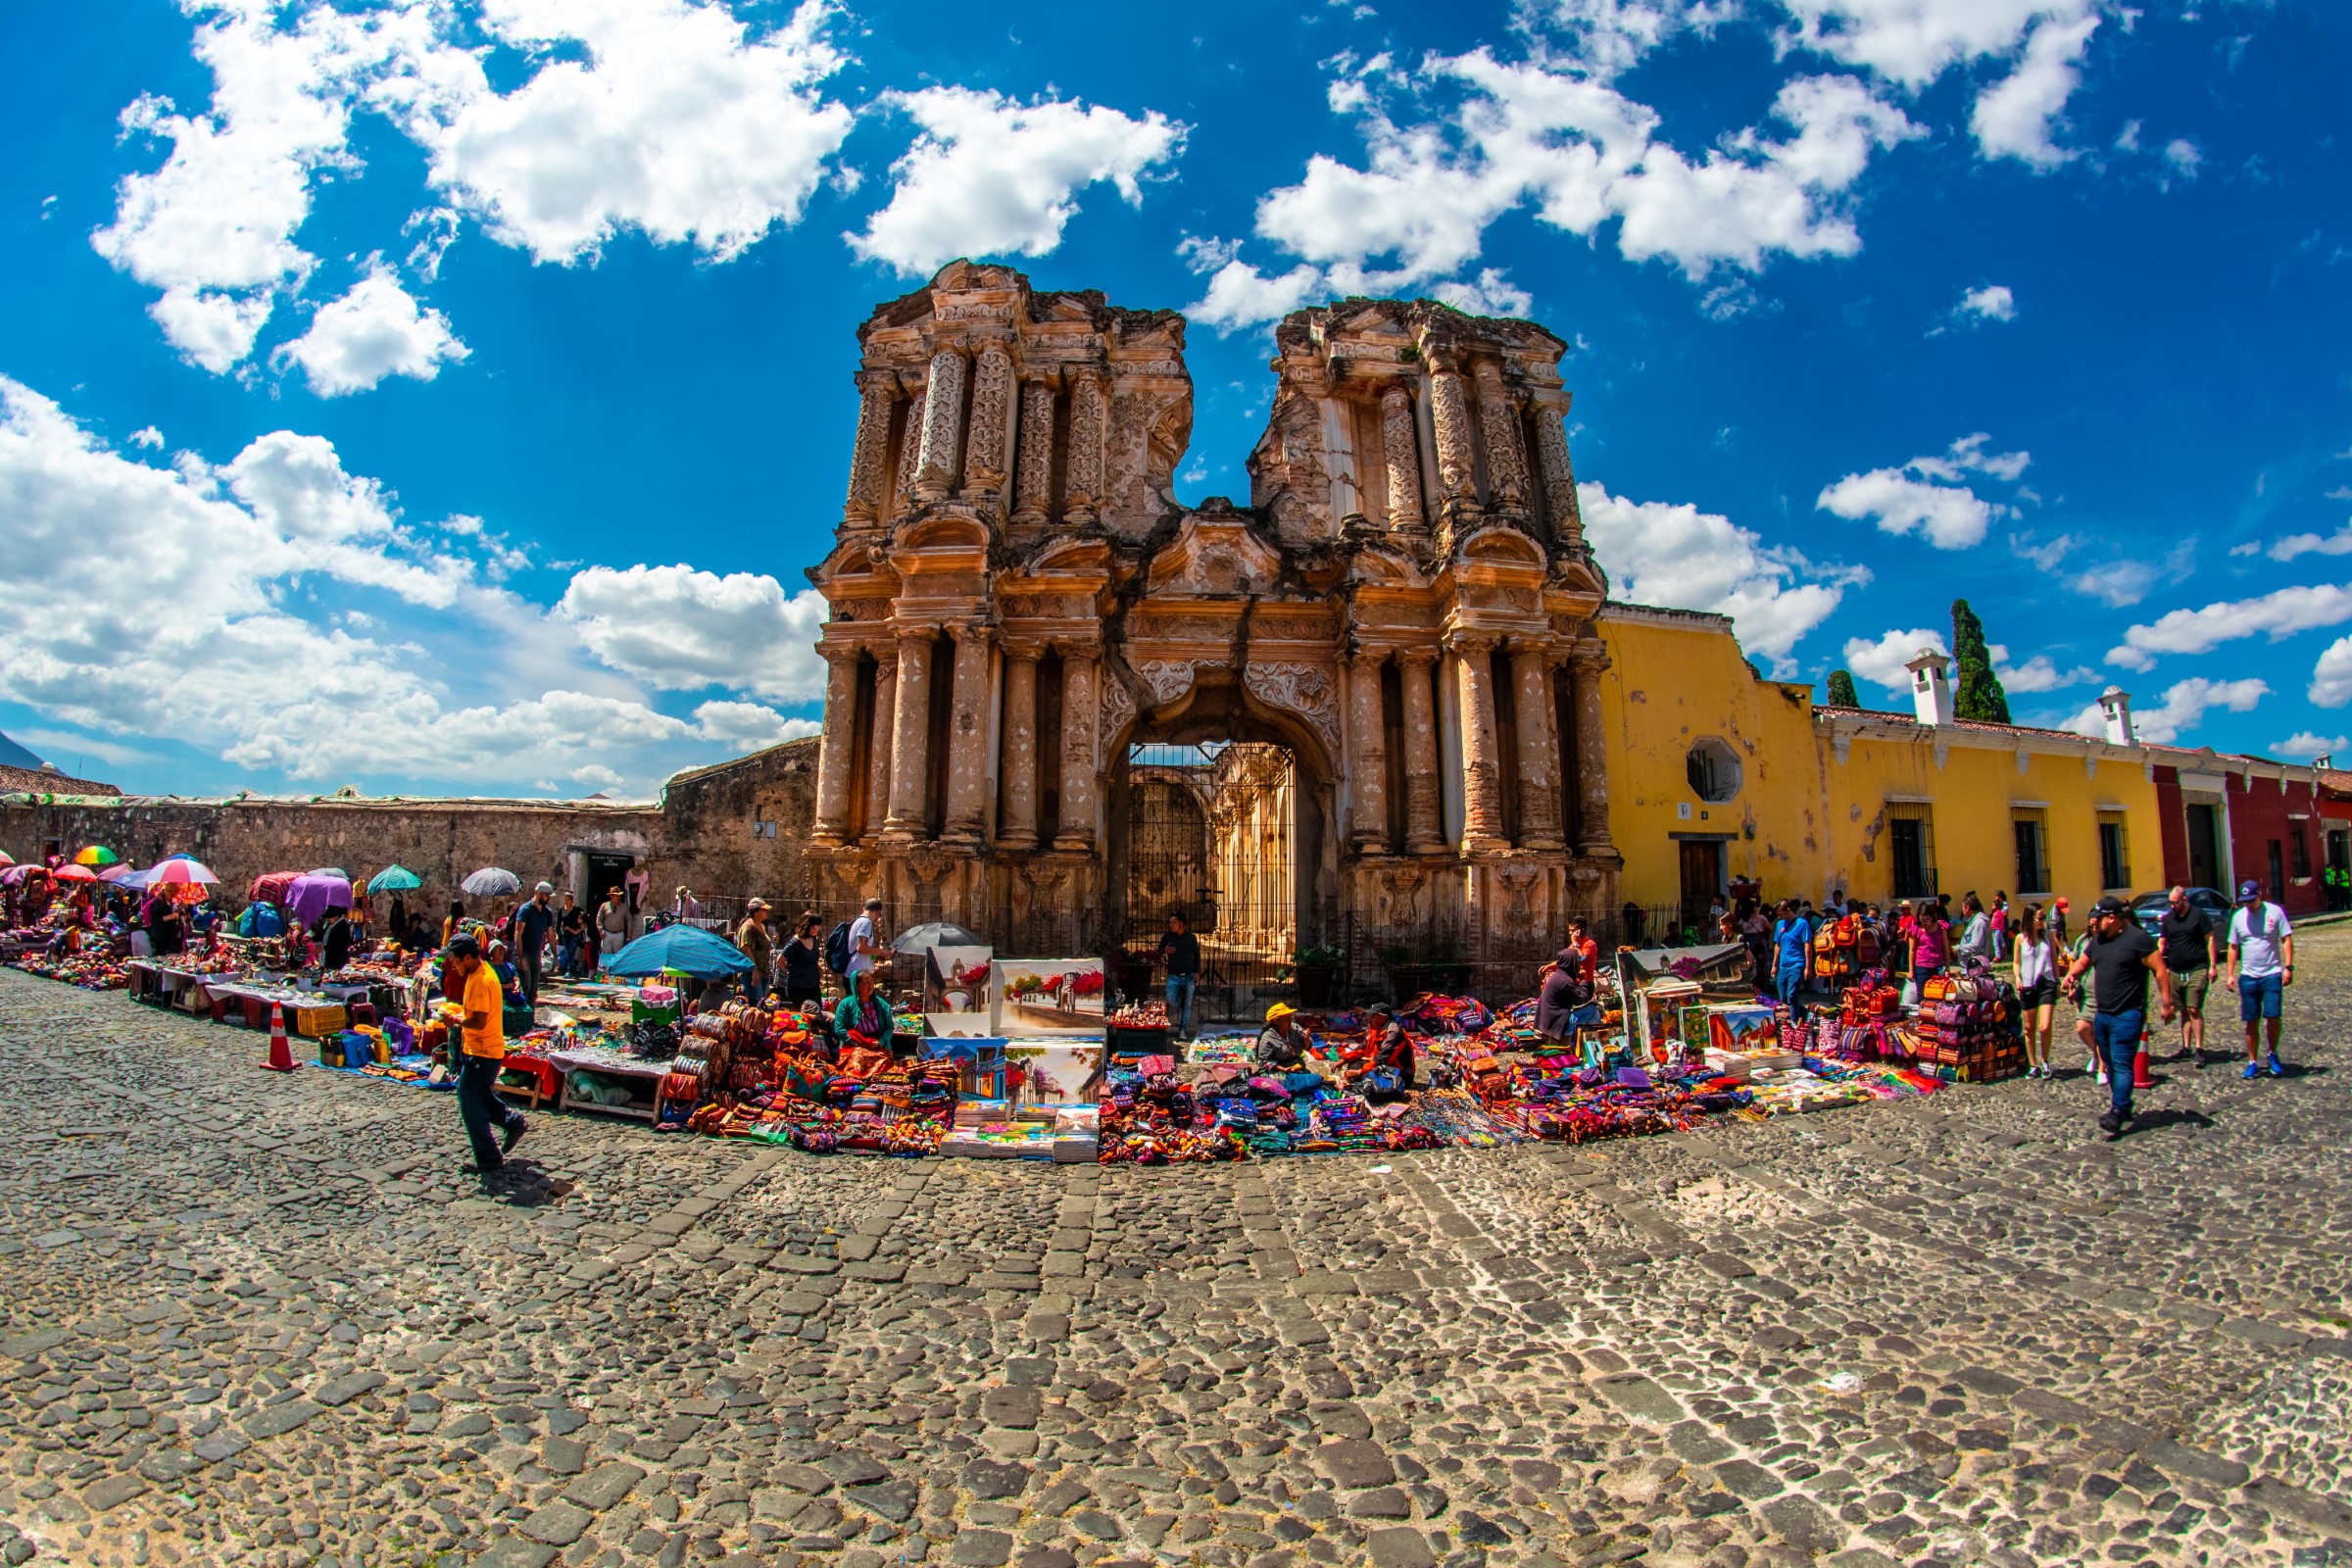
[(1807, 824)]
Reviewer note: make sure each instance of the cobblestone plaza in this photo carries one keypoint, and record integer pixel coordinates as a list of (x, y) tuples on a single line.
[(260, 1320)]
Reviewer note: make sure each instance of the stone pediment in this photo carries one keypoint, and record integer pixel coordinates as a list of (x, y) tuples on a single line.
[(1386, 566), (1498, 549), (854, 569), (1214, 557)]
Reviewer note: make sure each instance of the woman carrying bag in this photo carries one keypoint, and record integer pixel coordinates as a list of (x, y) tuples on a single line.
[(2034, 961)]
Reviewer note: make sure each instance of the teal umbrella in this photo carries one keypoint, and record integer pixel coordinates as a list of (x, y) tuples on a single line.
[(394, 879), (689, 950)]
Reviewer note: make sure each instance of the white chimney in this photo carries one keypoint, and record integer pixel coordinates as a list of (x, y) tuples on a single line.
[(2115, 707), (1931, 686)]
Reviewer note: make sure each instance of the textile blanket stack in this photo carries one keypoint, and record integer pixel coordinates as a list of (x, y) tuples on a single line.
[(744, 1072), (1968, 1027)]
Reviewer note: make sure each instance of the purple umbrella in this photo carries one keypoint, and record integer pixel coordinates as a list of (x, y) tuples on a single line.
[(313, 896)]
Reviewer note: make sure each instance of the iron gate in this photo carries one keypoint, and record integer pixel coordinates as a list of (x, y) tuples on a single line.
[(1213, 832)]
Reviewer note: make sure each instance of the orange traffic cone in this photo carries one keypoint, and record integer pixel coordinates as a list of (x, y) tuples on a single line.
[(281, 1058), (2139, 1066)]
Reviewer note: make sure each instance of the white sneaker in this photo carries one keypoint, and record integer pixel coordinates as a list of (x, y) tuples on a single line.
[(2102, 1077)]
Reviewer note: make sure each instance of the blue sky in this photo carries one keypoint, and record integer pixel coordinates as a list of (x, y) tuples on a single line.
[(446, 396)]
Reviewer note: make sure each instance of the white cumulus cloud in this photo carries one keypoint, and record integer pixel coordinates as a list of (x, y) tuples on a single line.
[(2308, 744), (375, 331), (1991, 303), (2331, 676), (2040, 673), (2280, 614), (1882, 660), (2017, 117), (680, 629), (1924, 495), (1678, 556), (992, 176), (2338, 543)]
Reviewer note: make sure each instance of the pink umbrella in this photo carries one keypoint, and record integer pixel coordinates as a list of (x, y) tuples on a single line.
[(73, 873), (121, 876), (177, 871)]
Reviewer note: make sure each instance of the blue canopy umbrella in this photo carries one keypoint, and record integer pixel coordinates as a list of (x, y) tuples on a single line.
[(685, 948)]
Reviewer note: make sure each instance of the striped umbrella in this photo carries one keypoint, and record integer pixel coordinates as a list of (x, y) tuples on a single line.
[(97, 855)]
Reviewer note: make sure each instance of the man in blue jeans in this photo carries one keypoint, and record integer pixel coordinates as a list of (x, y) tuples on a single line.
[(1792, 944), (1180, 950), (2121, 957)]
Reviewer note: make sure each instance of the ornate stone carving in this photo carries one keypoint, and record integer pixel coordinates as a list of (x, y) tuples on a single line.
[(1424, 833), (1166, 679), (1117, 707), (911, 458), (1482, 764), (1401, 450), (942, 419), (1559, 475), (1507, 466), (1033, 468), (1457, 463), (883, 721), (1083, 483), (833, 757), (991, 399), (878, 395), (1306, 690)]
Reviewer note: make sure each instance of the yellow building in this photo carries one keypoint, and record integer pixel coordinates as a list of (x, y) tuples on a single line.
[(1719, 778)]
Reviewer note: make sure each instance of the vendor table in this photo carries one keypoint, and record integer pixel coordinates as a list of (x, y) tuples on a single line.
[(644, 1080)]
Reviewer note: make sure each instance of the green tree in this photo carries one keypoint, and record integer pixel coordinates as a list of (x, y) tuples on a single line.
[(1978, 695), (1841, 689)]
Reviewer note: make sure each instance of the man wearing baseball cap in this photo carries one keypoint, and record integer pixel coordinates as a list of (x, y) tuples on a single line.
[(2262, 966), (2123, 957)]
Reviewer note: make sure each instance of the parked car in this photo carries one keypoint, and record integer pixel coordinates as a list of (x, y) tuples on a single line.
[(2149, 907)]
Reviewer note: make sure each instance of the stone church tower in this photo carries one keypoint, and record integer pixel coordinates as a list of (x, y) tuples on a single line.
[(1405, 607)]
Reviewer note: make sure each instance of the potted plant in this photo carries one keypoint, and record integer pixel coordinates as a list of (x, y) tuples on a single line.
[(1317, 971)]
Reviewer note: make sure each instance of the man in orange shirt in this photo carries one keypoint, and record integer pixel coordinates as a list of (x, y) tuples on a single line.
[(482, 1056)]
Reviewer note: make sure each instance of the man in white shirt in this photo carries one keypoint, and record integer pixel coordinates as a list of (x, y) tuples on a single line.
[(2262, 966), (865, 942)]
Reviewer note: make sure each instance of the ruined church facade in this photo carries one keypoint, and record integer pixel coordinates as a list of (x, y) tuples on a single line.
[(1407, 605)]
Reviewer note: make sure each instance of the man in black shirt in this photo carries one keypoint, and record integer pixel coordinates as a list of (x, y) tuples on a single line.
[(1180, 950), (2123, 957), (2191, 952), (534, 922)]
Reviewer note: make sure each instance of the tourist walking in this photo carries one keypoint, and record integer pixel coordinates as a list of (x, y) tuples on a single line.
[(534, 923), (1180, 950), (1792, 945), (572, 935), (759, 946), (1976, 932), (804, 963), (2120, 956), (2262, 966), (2192, 951), (865, 940), (483, 1054), (2035, 962)]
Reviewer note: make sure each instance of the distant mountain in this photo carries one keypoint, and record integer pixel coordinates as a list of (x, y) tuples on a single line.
[(13, 756)]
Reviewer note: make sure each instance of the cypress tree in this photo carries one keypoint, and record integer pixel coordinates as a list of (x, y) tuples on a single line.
[(1841, 689), (1976, 692)]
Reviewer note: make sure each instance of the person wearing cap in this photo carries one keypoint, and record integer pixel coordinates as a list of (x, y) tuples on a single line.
[(2262, 966), (1280, 1047), (760, 948), (534, 923), (2120, 956), (483, 1054)]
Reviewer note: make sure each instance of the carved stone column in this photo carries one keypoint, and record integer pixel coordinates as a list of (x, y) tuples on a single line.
[(1539, 749), (967, 737), (1033, 468), (1559, 474), (834, 760), (1079, 719), (942, 422), (1090, 420), (910, 740), (877, 749), (911, 456), (1482, 764), (1585, 663), (1370, 761), (984, 454), (1424, 829), (878, 396), (1016, 828), (1400, 451), (1499, 420), (1457, 459)]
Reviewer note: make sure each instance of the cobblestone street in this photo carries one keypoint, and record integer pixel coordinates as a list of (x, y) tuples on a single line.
[(260, 1320)]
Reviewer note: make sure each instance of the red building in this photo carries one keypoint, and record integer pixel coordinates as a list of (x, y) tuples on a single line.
[(2227, 819)]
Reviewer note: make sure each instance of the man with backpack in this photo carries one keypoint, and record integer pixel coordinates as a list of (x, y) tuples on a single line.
[(2262, 966), (851, 950)]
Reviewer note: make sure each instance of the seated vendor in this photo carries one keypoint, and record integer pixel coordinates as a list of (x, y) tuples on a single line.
[(1283, 1044), (1566, 1002), (819, 1027), (509, 982), (864, 1016), (1389, 1044)]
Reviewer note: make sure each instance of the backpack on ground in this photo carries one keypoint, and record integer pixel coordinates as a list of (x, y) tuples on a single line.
[(837, 948)]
